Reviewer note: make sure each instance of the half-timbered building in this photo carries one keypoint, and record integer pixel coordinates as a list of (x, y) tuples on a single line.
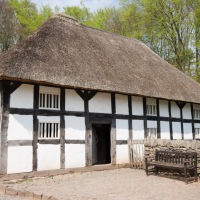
[(72, 95)]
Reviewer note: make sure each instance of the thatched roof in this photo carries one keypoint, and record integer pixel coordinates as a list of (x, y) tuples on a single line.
[(63, 52)]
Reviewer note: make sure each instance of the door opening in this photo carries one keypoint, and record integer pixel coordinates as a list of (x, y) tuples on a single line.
[(101, 144)]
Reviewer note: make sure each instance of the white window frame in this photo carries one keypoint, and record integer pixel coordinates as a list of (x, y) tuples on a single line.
[(50, 104), (151, 109), (48, 125), (152, 133), (197, 133), (196, 113)]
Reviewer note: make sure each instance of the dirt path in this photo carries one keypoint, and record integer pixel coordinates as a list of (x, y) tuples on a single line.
[(119, 184)]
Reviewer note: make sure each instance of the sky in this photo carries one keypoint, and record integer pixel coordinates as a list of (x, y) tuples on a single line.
[(93, 5)]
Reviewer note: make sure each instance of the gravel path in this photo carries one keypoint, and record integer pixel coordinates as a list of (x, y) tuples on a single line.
[(119, 184)]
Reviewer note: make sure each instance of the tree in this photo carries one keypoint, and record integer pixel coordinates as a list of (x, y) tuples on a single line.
[(81, 13), (9, 26), (27, 15)]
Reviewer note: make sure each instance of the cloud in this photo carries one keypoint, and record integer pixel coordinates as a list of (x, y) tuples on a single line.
[(93, 5)]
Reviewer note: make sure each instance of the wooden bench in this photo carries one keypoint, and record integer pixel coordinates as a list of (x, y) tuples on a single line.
[(183, 161)]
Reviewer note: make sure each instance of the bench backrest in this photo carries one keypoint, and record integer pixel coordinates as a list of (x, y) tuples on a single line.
[(177, 157)]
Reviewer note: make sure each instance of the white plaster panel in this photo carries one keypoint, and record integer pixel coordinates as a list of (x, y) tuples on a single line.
[(73, 102), (20, 127), (51, 90), (164, 111), (150, 101), (74, 155), (49, 119), (197, 125), (137, 105), (121, 104), (74, 128), (175, 111), (187, 127), (20, 159), (196, 106), (151, 124), (176, 126), (48, 157), (187, 111), (164, 129), (22, 97), (122, 132), (100, 103), (122, 154), (138, 129)]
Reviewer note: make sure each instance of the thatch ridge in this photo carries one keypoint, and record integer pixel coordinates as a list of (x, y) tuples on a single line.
[(66, 53)]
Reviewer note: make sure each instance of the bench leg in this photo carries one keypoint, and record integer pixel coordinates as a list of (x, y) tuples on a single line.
[(156, 170), (146, 169), (185, 174)]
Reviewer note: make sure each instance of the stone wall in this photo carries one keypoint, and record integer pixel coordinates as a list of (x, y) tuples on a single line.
[(178, 145)]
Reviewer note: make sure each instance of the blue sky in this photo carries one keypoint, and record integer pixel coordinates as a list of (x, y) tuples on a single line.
[(93, 5)]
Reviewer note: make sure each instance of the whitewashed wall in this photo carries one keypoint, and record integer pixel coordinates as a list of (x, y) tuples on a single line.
[(20, 127), (138, 129), (151, 124), (187, 127), (74, 155), (121, 104), (49, 119), (100, 103), (73, 102), (164, 129), (175, 111), (187, 111), (19, 159), (122, 154), (74, 128), (164, 110), (48, 157), (150, 101), (53, 90), (176, 126), (122, 133), (22, 97), (137, 105)]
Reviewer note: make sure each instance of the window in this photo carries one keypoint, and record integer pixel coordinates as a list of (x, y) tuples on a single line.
[(49, 131), (196, 114), (197, 133), (152, 132), (151, 110), (48, 100)]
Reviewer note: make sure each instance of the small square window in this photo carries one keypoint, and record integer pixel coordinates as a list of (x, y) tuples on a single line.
[(152, 133), (49, 131), (151, 110), (196, 114), (49, 101)]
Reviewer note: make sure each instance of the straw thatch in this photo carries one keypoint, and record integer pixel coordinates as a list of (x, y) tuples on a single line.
[(63, 52)]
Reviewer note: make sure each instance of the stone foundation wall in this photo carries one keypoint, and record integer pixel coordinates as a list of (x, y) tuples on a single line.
[(151, 145)]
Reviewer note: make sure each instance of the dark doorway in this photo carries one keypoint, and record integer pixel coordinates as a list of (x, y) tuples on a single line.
[(101, 144)]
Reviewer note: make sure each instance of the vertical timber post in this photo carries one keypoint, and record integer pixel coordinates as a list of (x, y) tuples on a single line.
[(158, 118), (5, 97), (192, 115), (145, 117), (62, 129), (35, 127), (130, 125), (170, 120), (113, 130)]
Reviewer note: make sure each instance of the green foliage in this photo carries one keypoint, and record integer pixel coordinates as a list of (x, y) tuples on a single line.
[(171, 28), (81, 13)]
